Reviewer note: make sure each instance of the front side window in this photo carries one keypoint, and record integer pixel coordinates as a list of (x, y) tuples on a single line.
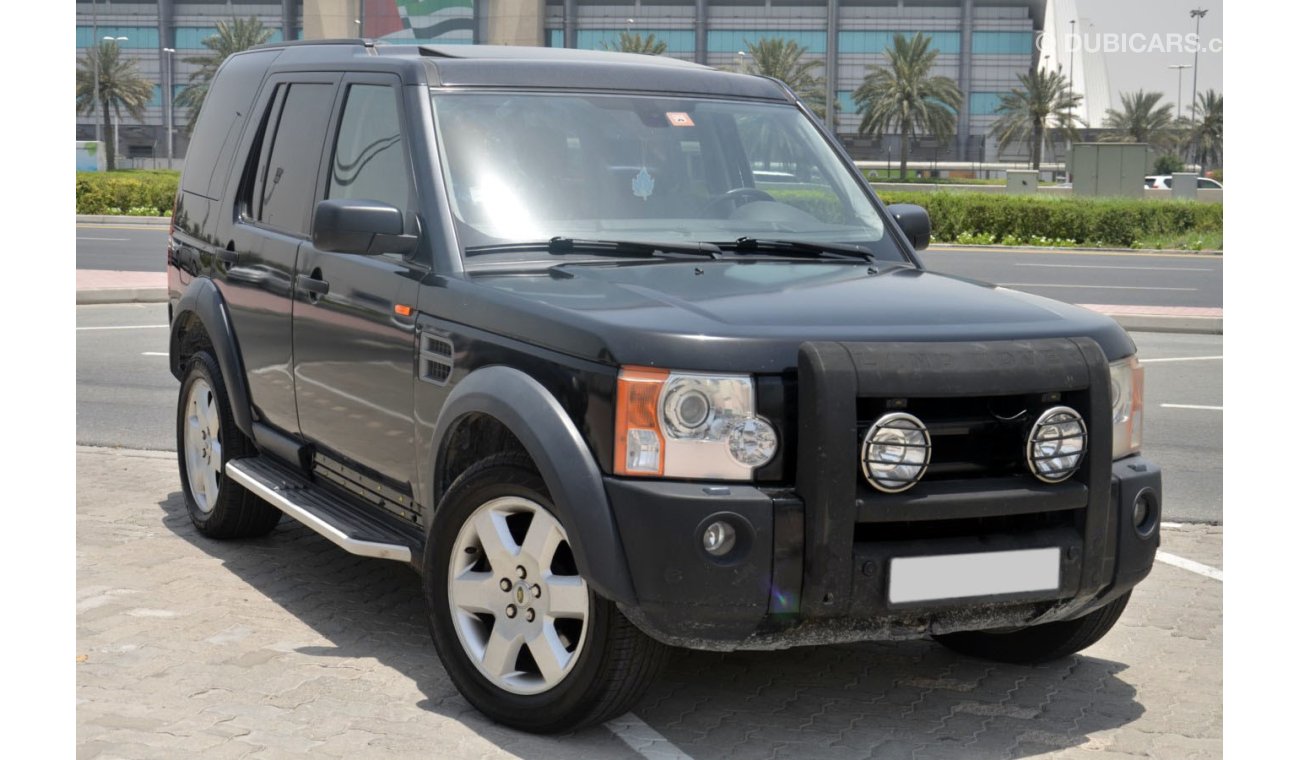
[(531, 167), (369, 159)]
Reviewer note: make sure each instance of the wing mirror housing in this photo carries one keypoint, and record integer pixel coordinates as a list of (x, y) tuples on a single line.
[(365, 228), (915, 222)]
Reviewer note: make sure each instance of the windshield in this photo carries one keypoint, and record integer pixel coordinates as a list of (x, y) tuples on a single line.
[(526, 168)]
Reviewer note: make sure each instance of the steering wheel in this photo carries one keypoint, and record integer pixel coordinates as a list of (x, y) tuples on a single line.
[(737, 196)]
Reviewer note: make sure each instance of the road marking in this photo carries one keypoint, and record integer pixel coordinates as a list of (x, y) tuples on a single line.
[(1100, 266), (1098, 287), (1193, 406), (1187, 564), (1183, 359), (124, 327), (141, 227), (114, 240), (154, 353), (1170, 525), (643, 739)]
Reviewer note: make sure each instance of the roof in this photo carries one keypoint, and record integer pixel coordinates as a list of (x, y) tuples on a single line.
[(537, 68)]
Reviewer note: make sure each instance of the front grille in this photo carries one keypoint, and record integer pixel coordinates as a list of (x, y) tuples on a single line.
[(972, 437), (999, 525)]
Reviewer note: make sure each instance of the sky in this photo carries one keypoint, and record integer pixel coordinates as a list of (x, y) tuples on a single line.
[(1149, 70)]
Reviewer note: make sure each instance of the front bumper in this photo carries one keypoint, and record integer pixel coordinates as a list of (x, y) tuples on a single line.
[(767, 595)]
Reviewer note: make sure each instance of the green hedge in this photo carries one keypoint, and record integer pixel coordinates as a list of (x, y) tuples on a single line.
[(1085, 221), (133, 193)]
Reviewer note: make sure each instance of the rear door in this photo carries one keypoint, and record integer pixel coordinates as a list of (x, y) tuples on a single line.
[(353, 320), (274, 200)]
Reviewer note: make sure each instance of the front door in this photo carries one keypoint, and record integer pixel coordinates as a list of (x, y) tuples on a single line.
[(353, 316)]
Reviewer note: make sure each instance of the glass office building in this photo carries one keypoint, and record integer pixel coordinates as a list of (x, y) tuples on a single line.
[(982, 44)]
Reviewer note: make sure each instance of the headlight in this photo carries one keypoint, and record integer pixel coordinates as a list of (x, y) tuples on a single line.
[(895, 452), (689, 425), (1126, 381)]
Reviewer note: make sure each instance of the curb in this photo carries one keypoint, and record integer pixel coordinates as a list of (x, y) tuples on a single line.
[(128, 221), (1065, 249), (1162, 324), (121, 295)]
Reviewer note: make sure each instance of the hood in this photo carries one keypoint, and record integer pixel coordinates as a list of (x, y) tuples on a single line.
[(752, 315)]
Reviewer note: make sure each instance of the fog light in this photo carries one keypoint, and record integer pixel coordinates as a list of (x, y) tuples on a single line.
[(895, 452), (1146, 513), (719, 538), (1056, 444)]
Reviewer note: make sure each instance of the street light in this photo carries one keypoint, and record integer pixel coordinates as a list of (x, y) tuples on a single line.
[(740, 61), (1198, 14), (168, 86)]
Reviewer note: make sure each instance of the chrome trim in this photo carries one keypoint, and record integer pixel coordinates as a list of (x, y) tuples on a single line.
[(1033, 435), (884, 421), (281, 501)]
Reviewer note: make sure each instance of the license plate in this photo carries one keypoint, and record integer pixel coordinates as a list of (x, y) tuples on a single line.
[(955, 576)]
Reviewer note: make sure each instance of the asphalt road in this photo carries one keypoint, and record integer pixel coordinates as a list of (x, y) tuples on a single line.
[(1131, 279), (1090, 278), (127, 398)]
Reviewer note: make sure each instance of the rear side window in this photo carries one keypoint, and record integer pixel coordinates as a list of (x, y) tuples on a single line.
[(221, 121), (369, 159), (286, 187)]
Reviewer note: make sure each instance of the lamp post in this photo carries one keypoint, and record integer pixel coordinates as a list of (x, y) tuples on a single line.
[(112, 116), (167, 102), (1073, 44), (740, 61), (1180, 67), (1198, 14)]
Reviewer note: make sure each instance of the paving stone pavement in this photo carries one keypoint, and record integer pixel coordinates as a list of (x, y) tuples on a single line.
[(286, 646)]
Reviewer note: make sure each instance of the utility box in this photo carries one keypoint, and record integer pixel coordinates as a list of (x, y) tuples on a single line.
[(1184, 185), (1022, 181), (90, 156), (1110, 169)]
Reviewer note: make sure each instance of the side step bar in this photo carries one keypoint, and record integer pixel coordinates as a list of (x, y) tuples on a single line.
[(355, 529)]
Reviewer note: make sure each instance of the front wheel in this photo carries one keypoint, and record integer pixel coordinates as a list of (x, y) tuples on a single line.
[(1038, 643), (520, 632)]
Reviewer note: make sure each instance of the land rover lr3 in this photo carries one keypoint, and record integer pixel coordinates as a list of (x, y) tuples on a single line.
[(622, 353)]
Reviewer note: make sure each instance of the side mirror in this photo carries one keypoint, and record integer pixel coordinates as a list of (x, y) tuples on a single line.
[(366, 228), (915, 222)]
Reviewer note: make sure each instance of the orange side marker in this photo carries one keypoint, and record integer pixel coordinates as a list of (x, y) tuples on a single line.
[(402, 309)]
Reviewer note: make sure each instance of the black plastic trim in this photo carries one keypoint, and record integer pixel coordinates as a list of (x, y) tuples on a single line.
[(204, 300)]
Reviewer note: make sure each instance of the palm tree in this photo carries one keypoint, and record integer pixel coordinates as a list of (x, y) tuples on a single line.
[(1204, 132), (1141, 119), (784, 60), (239, 34), (120, 87), (1042, 100), (903, 97), (635, 43)]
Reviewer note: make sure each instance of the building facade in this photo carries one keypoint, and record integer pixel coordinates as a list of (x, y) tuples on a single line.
[(982, 44)]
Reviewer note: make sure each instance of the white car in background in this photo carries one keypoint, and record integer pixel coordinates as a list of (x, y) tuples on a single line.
[(1166, 182)]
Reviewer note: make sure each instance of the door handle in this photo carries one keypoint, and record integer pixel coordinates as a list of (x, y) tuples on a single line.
[(313, 285)]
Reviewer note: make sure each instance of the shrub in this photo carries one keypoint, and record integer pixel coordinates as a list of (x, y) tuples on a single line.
[(140, 193), (1078, 221), (1168, 164)]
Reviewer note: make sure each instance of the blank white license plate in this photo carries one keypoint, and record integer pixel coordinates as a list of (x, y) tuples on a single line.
[(954, 576)]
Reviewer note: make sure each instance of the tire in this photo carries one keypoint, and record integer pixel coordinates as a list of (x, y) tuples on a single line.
[(1038, 643), (206, 439), (506, 663)]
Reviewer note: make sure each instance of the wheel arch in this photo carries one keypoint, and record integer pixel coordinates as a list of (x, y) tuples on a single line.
[(200, 319), (539, 426)]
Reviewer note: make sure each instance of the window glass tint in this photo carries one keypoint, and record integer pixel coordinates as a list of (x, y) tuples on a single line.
[(369, 160), (288, 183), (221, 120)]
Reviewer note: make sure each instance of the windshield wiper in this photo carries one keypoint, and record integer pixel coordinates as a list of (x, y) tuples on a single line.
[(562, 245), (800, 249)]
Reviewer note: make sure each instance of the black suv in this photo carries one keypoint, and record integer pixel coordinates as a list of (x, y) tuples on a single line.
[(620, 352)]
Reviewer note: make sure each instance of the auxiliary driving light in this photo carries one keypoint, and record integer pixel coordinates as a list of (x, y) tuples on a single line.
[(719, 538), (1056, 444), (895, 452)]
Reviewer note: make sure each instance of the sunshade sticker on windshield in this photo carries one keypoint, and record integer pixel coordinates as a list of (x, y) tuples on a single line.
[(679, 119)]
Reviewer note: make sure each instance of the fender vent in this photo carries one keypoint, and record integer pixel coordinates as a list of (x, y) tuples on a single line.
[(436, 359)]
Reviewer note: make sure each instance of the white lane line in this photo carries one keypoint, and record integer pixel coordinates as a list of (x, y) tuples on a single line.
[(1171, 525), (106, 240), (1187, 564), (1183, 359), (643, 739), (124, 327), (1193, 406), (154, 353), (1095, 287), (1101, 266)]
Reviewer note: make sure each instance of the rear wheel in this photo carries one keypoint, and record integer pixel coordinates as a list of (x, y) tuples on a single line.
[(206, 439), (1038, 643), (521, 633)]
